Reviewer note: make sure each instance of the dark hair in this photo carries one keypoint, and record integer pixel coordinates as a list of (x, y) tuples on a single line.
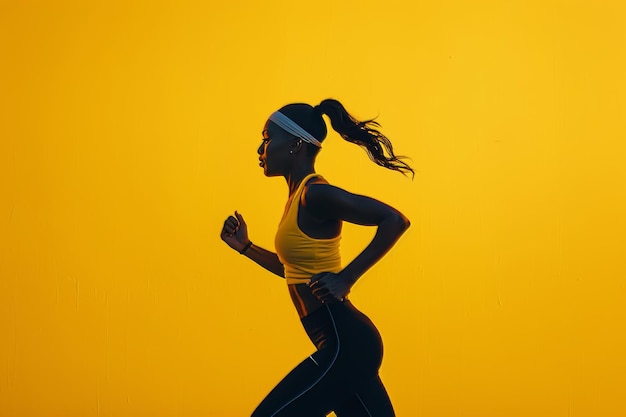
[(364, 134)]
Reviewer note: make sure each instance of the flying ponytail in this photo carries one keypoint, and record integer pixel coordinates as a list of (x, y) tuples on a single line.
[(364, 134)]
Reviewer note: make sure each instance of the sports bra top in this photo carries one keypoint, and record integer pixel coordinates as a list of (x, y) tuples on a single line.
[(301, 255)]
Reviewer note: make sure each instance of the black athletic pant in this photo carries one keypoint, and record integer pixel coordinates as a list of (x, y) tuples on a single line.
[(341, 376)]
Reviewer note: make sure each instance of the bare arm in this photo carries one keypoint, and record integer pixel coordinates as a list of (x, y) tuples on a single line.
[(268, 260), (235, 234), (328, 202)]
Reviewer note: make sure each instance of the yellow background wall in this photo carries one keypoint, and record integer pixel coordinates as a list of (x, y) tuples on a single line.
[(128, 133)]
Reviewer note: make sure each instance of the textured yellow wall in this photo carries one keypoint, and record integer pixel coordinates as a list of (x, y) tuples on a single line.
[(128, 133)]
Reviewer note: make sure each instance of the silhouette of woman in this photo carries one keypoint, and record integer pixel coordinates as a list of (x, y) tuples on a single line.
[(342, 374)]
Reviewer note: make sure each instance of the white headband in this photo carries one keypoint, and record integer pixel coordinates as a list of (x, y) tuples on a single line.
[(292, 127)]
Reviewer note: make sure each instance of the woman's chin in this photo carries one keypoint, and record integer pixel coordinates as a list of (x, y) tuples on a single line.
[(269, 173)]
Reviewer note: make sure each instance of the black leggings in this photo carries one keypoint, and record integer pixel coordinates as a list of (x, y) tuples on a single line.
[(341, 376)]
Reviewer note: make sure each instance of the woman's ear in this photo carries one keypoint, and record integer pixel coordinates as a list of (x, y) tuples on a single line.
[(296, 146)]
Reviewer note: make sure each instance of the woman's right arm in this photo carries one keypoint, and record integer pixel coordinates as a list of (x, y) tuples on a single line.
[(235, 234)]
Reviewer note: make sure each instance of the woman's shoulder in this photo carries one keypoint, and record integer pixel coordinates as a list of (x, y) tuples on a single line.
[(319, 191)]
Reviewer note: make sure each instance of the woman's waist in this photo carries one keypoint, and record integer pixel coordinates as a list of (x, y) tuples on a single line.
[(303, 299), (305, 302), (302, 273)]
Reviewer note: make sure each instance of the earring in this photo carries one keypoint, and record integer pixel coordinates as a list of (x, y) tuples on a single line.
[(291, 152)]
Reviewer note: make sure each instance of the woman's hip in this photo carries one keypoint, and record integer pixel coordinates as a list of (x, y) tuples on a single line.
[(341, 323)]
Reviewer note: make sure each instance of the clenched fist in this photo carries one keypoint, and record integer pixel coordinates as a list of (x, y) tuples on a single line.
[(235, 232)]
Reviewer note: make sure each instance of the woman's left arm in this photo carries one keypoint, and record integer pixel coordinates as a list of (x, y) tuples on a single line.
[(328, 202)]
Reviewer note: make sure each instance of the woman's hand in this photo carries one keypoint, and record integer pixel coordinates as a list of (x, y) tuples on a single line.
[(235, 232), (329, 286)]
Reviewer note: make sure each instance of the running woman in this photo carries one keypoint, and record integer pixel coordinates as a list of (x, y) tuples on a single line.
[(342, 374)]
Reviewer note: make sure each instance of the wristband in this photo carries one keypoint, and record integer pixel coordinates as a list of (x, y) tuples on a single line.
[(245, 248)]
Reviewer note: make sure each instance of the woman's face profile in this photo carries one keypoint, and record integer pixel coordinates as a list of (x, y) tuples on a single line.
[(273, 151)]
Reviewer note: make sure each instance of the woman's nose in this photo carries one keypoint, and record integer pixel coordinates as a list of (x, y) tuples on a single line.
[(260, 150)]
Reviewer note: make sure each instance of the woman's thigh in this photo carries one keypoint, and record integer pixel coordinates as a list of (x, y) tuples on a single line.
[(371, 400), (308, 390)]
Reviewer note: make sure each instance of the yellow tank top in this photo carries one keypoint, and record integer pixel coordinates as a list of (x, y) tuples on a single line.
[(301, 255)]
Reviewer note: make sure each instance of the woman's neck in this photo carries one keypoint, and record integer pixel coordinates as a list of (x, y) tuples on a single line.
[(295, 178)]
